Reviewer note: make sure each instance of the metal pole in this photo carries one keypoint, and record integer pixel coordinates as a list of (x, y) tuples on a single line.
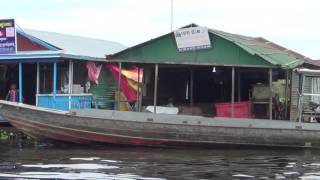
[(54, 83), (155, 88), (301, 97), (171, 15), (20, 83), (286, 94), (38, 83), (119, 85), (232, 90), (270, 94)]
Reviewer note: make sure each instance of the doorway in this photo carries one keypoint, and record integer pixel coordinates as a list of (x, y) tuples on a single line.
[(29, 76)]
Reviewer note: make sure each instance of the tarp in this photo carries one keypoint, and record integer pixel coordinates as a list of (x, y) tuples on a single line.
[(129, 81)]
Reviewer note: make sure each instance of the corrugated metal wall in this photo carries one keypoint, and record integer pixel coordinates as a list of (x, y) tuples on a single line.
[(103, 93), (295, 95)]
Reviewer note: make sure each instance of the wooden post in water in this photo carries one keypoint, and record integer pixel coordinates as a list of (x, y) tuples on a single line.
[(270, 94), (156, 71)]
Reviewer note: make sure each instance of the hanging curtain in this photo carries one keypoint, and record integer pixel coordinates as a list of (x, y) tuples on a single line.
[(93, 72), (315, 89)]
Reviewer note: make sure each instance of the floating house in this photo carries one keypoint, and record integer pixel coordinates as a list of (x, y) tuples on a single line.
[(51, 69), (194, 87), (231, 75)]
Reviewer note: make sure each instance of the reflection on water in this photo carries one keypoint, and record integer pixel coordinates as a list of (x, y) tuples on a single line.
[(21, 160)]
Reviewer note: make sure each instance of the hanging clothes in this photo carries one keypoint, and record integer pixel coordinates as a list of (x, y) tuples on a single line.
[(93, 72)]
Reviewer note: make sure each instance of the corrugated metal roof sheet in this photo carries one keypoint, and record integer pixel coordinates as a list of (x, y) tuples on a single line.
[(77, 45), (269, 51), (44, 55), (263, 48)]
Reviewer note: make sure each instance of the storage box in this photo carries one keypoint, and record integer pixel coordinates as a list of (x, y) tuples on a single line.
[(260, 91), (241, 109)]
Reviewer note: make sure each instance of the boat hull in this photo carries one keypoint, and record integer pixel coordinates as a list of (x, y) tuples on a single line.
[(129, 128)]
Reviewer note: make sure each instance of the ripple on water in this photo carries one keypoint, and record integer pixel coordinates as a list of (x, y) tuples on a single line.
[(242, 176), (71, 166), (85, 159), (81, 175)]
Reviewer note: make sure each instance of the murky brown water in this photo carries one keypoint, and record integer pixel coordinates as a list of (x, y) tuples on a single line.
[(23, 159)]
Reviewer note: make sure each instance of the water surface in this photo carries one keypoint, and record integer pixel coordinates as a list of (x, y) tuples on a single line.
[(21, 158)]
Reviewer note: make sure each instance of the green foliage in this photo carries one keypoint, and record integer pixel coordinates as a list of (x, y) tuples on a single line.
[(6, 135)]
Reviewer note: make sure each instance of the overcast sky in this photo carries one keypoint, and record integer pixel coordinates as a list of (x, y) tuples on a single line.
[(294, 24)]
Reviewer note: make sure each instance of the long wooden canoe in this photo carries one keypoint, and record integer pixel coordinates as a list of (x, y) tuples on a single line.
[(146, 129)]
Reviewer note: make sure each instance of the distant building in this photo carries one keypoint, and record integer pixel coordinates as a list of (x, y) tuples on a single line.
[(50, 68)]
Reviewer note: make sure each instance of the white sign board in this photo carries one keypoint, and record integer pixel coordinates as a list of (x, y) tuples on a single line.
[(193, 38)]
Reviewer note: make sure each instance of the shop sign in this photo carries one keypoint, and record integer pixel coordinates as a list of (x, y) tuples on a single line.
[(8, 42), (193, 38)]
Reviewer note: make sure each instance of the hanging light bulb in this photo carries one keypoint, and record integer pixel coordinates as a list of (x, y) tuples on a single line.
[(214, 69)]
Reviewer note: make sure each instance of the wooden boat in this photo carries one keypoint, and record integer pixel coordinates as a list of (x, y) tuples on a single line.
[(146, 129)]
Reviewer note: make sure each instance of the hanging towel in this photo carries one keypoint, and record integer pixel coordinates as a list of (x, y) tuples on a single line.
[(93, 72)]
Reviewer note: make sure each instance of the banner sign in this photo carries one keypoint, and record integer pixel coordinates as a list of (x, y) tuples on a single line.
[(193, 38), (7, 37)]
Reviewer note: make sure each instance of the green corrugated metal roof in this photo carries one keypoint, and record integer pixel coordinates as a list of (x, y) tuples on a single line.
[(227, 49), (255, 47)]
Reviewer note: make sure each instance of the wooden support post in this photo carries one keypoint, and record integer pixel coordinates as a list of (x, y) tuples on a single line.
[(20, 83), (286, 95), (54, 83), (270, 94), (138, 91), (70, 83), (191, 89), (119, 86), (239, 86), (37, 83), (142, 91), (232, 90), (301, 97), (156, 71)]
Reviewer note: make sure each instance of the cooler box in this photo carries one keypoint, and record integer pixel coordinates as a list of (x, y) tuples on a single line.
[(241, 109)]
